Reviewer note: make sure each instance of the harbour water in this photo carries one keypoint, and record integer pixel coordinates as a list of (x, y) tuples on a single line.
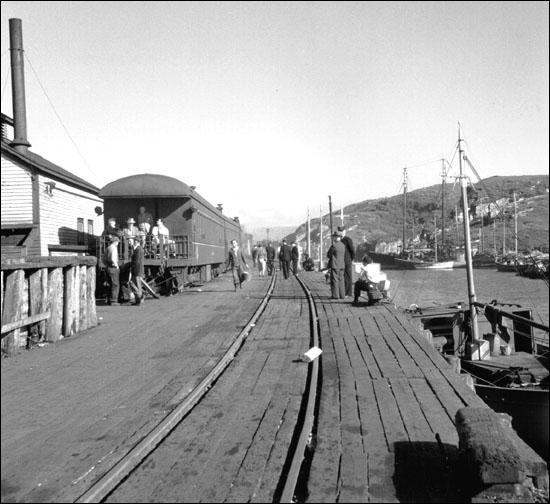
[(428, 288)]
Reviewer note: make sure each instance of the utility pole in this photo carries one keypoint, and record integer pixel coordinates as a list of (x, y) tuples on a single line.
[(308, 233), (330, 213), (267, 230), (320, 239), (516, 224)]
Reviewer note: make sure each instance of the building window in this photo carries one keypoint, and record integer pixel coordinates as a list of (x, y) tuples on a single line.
[(80, 231), (90, 229)]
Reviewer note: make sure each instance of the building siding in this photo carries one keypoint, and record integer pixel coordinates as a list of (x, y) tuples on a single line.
[(60, 211), (16, 198)]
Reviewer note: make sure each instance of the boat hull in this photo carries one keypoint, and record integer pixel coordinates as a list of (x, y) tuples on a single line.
[(439, 265), (528, 409)]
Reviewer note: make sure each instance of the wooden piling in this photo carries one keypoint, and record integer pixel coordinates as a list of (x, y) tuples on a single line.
[(15, 283), (90, 284), (55, 295), (46, 298), (83, 314)]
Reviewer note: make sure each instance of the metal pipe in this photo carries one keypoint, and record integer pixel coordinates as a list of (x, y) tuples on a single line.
[(20, 142)]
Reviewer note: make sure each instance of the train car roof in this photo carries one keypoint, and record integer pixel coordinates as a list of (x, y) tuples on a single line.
[(148, 185), (145, 185)]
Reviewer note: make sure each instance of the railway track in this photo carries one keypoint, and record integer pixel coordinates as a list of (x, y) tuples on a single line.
[(268, 432)]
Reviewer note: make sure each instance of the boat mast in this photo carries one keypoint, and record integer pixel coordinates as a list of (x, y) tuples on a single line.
[(404, 208), (468, 245), (443, 177), (516, 224), (435, 237)]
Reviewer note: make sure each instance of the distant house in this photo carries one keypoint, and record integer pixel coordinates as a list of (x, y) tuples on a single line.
[(45, 210)]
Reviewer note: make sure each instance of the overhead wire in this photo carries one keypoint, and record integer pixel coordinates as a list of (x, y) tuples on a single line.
[(59, 117)]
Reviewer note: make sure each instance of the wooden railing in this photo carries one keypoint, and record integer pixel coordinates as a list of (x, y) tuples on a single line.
[(46, 299)]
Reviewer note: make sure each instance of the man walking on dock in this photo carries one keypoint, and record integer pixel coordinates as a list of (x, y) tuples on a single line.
[(285, 257), (270, 251), (336, 263)]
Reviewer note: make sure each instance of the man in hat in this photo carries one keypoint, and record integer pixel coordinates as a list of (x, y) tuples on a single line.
[(336, 264), (113, 271), (349, 257), (285, 257)]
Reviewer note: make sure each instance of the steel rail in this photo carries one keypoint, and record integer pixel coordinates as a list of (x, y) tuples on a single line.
[(112, 478), (298, 457)]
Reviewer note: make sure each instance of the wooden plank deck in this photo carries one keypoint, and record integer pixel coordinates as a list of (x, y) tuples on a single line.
[(388, 401)]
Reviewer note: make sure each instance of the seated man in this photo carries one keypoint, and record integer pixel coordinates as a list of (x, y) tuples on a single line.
[(367, 282)]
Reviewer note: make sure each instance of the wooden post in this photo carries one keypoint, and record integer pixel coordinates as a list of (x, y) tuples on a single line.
[(38, 292), (90, 285), (15, 282), (55, 294), (69, 302), (83, 303), (22, 334), (76, 297)]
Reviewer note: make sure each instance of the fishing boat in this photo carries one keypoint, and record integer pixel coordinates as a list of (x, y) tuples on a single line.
[(504, 356)]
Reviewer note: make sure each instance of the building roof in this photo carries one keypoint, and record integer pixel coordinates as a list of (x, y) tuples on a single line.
[(32, 160), (145, 185)]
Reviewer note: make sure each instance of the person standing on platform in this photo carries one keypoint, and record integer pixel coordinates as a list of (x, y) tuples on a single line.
[(350, 256), (111, 230), (285, 257), (138, 268), (146, 218), (295, 257), (270, 253), (113, 271), (237, 263), (336, 263)]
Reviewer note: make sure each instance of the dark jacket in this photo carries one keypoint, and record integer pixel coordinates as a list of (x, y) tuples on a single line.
[(137, 262), (285, 254), (270, 250), (336, 255), (236, 260), (350, 250), (295, 253)]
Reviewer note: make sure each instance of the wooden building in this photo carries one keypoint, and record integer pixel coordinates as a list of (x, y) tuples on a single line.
[(46, 210)]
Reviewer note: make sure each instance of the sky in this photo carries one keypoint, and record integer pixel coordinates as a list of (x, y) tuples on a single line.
[(270, 107)]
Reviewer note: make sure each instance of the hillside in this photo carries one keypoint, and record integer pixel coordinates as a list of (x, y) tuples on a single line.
[(379, 222)]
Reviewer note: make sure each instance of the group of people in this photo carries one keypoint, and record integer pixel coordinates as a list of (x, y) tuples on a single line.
[(159, 233), (136, 271), (341, 255)]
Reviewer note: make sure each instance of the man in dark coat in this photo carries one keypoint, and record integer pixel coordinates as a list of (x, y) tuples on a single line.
[(336, 263), (138, 269), (270, 252), (285, 256), (295, 257), (350, 256)]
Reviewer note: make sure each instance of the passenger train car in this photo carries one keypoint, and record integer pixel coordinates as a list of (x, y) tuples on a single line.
[(199, 233)]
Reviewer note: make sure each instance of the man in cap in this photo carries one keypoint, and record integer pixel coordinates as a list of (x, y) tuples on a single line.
[(113, 271), (336, 264), (349, 257)]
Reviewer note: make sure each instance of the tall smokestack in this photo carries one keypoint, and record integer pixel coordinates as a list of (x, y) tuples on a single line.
[(20, 141)]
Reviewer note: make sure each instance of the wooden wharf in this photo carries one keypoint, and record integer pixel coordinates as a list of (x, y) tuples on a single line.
[(388, 405), (384, 428)]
